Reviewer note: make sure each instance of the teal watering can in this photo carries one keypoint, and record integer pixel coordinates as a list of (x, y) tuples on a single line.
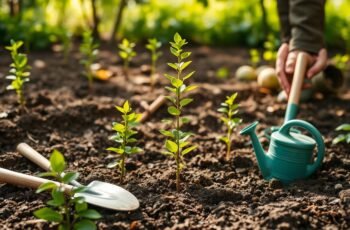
[(290, 153)]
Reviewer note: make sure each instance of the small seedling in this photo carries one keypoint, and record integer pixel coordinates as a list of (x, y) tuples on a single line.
[(345, 137), (65, 37), (153, 45), (124, 137), (89, 49), (254, 57), (270, 53), (177, 144), (19, 73), (229, 108), (67, 211), (127, 53)]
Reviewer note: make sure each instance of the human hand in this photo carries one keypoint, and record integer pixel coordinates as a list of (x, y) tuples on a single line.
[(285, 65)]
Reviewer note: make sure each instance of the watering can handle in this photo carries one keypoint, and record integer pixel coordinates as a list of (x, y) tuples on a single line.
[(285, 129)]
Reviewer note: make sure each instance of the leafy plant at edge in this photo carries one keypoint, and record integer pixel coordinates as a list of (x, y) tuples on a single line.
[(153, 45), (19, 73), (66, 209), (177, 144), (124, 137), (89, 49), (342, 137), (229, 108), (126, 53)]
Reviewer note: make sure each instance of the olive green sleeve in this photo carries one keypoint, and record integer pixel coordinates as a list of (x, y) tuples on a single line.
[(306, 18), (283, 15)]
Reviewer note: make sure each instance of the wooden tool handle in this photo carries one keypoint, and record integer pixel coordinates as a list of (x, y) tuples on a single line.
[(15, 178), (153, 107), (34, 156), (298, 78)]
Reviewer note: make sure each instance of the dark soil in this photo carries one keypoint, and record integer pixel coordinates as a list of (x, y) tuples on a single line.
[(215, 194)]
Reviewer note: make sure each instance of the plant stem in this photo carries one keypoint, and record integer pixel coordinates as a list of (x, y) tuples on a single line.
[(122, 168), (122, 164), (178, 153), (228, 144)]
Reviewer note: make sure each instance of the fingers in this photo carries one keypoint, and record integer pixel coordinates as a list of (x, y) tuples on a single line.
[(319, 65), (280, 67), (290, 63)]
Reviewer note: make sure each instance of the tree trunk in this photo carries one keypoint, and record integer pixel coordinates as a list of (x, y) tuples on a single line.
[(264, 22), (12, 6), (118, 20), (95, 19)]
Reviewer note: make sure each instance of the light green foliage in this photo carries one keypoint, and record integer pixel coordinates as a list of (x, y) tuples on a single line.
[(222, 73), (342, 62), (177, 144), (65, 37), (229, 108), (345, 137), (19, 73), (254, 57), (126, 52), (125, 132), (270, 52), (153, 45), (89, 49), (67, 211)]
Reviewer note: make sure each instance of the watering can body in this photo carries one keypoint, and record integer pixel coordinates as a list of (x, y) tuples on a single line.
[(290, 154)]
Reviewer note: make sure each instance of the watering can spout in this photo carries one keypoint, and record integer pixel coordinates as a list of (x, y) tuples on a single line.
[(258, 149)]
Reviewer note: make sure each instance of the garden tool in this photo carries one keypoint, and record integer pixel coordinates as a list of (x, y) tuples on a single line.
[(290, 154), (98, 193)]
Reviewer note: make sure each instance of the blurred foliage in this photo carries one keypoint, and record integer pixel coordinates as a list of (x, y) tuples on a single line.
[(214, 22)]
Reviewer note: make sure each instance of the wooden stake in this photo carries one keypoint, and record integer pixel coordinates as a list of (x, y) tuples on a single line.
[(152, 108)]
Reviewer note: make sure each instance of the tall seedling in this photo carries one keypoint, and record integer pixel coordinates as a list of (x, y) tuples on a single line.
[(89, 49), (68, 211), (124, 137), (19, 73), (126, 53), (229, 108), (153, 45), (177, 144)]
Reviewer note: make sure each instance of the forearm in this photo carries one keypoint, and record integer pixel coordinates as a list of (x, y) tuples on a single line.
[(307, 25)]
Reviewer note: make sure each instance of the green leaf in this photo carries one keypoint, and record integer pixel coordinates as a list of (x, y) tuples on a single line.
[(126, 107), (166, 133), (46, 186), (90, 214), (174, 111), (169, 77), (188, 75), (189, 149), (81, 206), (344, 127), (184, 65), (171, 146), (223, 110), (120, 109), (57, 161), (171, 99), (339, 139), (177, 38), (190, 88), (119, 127), (173, 65), (48, 214), (171, 89), (185, 101), (85, 225), (224, 139), (348, 138), (58, 196), (185, 55), (116, 150), (113, 164), (47, 174), (176, 82), (185, 120), (70, 176)]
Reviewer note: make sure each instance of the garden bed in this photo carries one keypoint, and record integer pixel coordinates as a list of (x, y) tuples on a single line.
[(215, 193)]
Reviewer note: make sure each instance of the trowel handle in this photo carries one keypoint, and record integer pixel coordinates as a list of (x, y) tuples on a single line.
[(298, 78), (297, 83), (34, 156), (15, 178)]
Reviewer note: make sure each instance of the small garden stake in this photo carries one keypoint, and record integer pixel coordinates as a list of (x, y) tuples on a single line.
[(126, 53), (153, 45), (345, 137), (177, 144), (124, 137), (89, 49), (68, 211), (229, 108), (19, 73)]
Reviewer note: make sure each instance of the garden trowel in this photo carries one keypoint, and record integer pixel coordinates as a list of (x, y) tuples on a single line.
[(98, 193)]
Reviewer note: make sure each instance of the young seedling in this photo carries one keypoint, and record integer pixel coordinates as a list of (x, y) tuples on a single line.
[(89, 49), (177, 144), (229, 108), (19, 73), (126, 52), (65, 37), (124, 137), (345, 137), (67, 211), (270, 53), (254, 57), (153, 45)]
